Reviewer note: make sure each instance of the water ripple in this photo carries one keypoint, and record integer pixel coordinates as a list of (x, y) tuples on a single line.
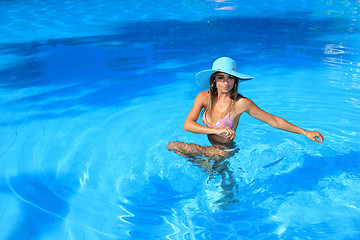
[(354, 175)]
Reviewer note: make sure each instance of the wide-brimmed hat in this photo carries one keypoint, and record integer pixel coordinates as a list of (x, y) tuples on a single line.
[(223, 64)]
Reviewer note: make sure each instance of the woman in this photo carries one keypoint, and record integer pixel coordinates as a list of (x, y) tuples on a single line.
[(223, 106)]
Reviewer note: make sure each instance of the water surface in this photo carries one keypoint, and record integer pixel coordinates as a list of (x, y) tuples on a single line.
[(92, 92)]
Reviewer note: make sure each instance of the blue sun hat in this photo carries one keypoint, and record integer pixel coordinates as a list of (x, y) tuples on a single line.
[(223, 64)]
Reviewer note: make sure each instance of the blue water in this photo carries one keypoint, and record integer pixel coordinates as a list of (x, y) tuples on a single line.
[(92, 92)]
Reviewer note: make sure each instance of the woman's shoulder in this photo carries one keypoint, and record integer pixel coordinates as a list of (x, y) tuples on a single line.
[(242, 103), (241, 99), (202, 97), (204, 93)]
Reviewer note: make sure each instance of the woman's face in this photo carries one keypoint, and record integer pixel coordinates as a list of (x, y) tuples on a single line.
[(224, 82)]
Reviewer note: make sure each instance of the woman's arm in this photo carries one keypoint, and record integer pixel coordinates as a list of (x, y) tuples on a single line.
[(192, 126), (277, 122)]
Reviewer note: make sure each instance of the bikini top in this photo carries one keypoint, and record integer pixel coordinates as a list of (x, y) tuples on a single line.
[(223, 122)]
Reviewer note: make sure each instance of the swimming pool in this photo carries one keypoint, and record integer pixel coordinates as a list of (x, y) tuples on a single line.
[(92, 92)]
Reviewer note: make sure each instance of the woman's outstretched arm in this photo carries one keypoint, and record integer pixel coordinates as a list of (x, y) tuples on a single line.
[(277, 122)]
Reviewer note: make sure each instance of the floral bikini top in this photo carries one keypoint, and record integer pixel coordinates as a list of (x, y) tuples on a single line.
[(223, 122)]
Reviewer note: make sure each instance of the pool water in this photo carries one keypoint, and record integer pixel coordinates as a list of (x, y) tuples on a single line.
[(92, 92)]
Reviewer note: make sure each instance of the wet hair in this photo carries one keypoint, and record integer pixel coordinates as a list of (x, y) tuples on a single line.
[(213, 92)]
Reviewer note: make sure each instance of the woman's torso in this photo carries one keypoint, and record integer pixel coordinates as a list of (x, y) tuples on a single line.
[(223, 122), (227, 119)]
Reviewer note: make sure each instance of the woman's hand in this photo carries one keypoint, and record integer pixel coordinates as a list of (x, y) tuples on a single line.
[(226, 132), (314, 136)]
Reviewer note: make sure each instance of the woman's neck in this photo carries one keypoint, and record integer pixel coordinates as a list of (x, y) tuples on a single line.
[(223, 98)]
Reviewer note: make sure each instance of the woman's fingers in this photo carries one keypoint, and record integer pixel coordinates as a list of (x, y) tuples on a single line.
[(320, 137), (315, 136), (227, 132), (230, 133)]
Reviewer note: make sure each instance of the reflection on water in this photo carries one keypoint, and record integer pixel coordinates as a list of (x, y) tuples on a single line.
[(344, 67), (44, 203)]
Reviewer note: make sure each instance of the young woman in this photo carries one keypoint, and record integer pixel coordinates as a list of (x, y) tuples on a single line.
[(223, 106)]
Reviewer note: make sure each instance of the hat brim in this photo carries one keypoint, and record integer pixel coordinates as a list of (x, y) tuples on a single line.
[(203, 77)]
